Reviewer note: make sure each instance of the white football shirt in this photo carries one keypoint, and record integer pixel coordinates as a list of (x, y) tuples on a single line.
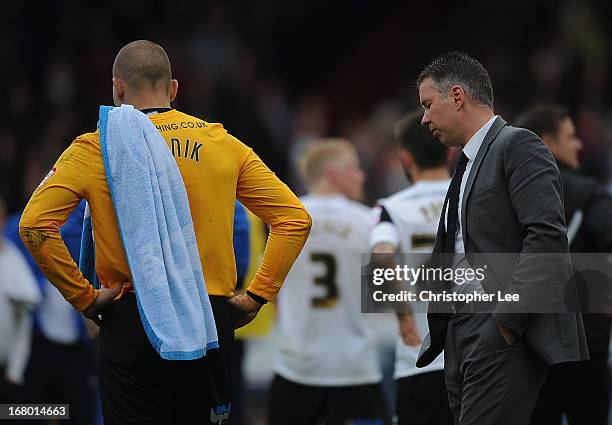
[(415, 214), (323, 338)]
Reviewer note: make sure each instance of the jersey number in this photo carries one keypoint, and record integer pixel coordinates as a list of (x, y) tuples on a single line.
[(327, 280), (422, 240)]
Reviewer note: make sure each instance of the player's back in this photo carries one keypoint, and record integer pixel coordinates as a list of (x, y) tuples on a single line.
[(415, 213), (216, 167), (323, 337), (209, 160)]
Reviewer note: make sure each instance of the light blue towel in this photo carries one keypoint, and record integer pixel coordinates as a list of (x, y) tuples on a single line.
[(156, 229)]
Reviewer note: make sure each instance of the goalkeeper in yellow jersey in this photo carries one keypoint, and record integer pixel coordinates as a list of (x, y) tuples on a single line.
[(137, 385)]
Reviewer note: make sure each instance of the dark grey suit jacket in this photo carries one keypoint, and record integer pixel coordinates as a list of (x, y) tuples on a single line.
[(512, 203)]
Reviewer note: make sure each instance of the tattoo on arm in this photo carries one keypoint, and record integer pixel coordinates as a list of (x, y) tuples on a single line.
[(34, 238)]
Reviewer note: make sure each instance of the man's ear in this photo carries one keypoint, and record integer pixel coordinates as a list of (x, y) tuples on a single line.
[(457, 95), (406, 158), (330, 173), (118, 91), (172, 90)]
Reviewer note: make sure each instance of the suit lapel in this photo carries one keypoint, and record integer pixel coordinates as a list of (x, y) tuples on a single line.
[(498, 124)]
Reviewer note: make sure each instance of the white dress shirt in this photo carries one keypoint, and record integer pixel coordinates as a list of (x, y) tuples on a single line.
[(470, 150)]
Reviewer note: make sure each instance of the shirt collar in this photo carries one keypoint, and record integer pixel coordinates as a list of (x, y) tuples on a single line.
[(473, 145), (149, 111), (428, 185)]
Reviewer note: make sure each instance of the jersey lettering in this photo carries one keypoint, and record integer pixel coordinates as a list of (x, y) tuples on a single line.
[(178, 151)]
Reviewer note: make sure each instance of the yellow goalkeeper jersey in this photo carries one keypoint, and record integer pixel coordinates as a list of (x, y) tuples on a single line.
[(216, 168)]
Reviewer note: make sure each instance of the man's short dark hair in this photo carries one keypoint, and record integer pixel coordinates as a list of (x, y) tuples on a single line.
[(143, 64), (463, 70), (543, 118), (416, 139)]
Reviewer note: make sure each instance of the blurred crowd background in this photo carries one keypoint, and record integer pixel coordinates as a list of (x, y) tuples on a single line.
[(280, 74)]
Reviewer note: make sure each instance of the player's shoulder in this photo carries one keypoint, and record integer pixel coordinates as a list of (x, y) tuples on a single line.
[(422, 190), (336, 205), (310, 202), (400, 198), (88, 139), (359, 208), (334, 202), (214, 129), (216, 135)]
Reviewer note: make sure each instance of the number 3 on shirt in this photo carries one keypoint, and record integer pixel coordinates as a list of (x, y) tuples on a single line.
[(327, 280)]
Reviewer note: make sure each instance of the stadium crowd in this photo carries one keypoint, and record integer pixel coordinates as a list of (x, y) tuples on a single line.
[(252, 69)]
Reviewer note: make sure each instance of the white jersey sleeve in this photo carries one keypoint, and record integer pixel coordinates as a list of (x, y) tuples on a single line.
[(384, 230)]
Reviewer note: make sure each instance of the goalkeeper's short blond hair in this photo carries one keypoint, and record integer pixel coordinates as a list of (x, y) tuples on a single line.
[(316, 157)]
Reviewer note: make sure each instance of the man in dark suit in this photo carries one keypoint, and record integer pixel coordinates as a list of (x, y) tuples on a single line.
[(504, 197), (579, 390)]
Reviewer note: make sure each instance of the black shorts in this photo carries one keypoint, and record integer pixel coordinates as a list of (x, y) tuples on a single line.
[(422, 399), (138, 387), (297, 404)]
